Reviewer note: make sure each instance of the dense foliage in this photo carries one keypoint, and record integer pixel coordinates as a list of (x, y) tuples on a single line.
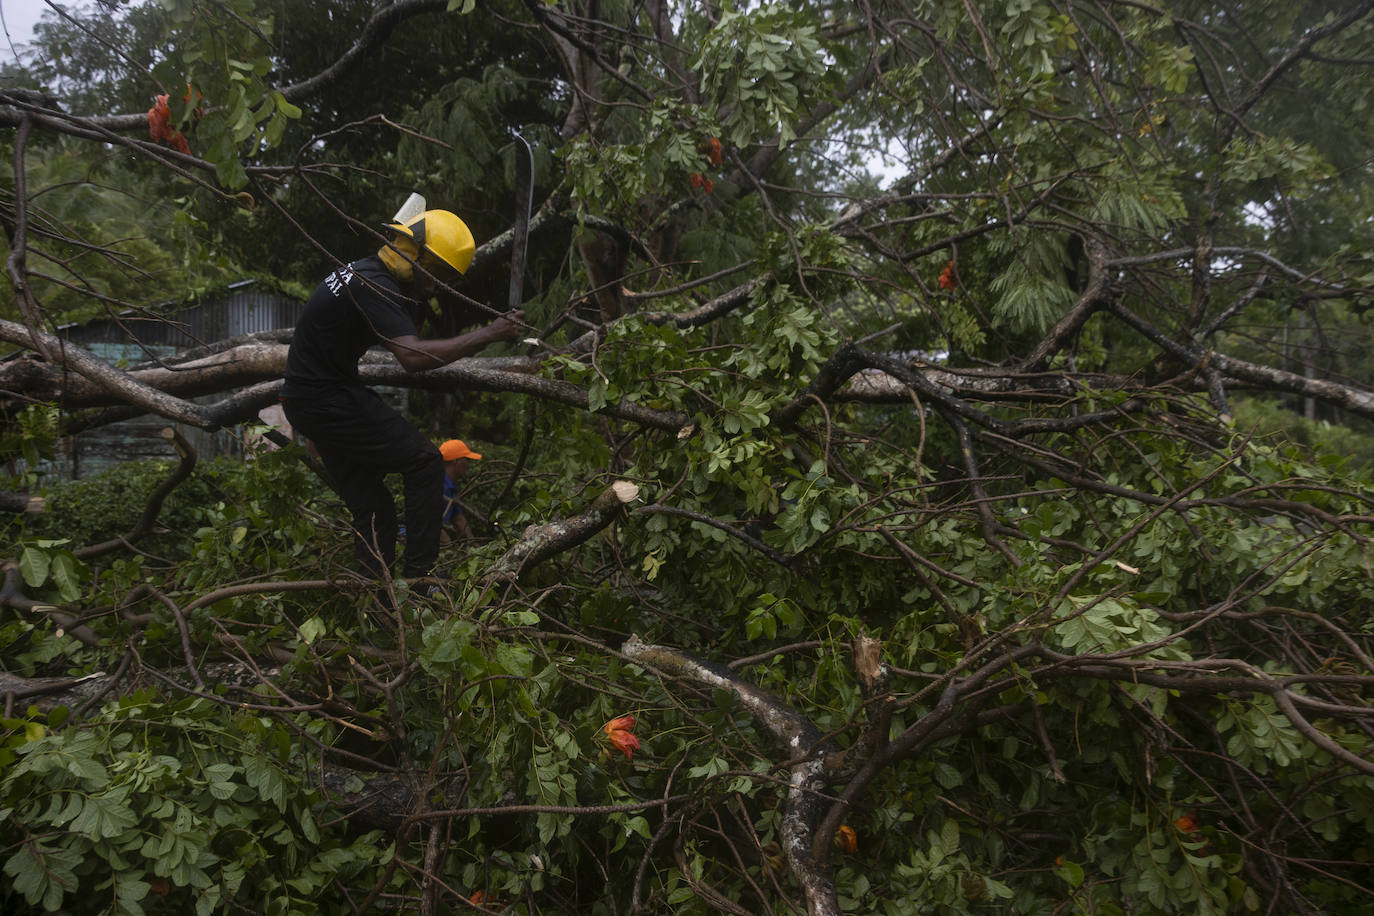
[(948, 349)]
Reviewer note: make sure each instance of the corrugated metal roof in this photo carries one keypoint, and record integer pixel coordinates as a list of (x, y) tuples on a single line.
[(241, 309), (132, 337)]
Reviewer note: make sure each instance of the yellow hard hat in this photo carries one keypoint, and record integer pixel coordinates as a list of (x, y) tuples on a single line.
[(443, 235)]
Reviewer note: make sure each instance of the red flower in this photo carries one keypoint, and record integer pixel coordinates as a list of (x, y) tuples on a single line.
[(1187, 825), (479, 898), (160, 126), (947, 280), (708, 185), (620, 732), (847, 839), (696, 179), (710, 148)]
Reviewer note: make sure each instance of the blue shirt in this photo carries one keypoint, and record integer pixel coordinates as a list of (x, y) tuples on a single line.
[(451, 508)]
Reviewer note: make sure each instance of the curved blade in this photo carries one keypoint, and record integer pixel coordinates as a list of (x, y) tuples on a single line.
[(524, 191)]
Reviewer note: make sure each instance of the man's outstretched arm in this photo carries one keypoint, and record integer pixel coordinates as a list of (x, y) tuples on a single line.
[(417, 354)]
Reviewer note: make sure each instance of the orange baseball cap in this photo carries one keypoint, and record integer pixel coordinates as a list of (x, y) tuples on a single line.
[(454, 449)]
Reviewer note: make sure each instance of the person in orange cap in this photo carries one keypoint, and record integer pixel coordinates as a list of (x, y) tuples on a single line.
[(457, 462)]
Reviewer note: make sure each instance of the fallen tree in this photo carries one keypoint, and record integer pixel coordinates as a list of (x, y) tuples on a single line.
[(848, 539)]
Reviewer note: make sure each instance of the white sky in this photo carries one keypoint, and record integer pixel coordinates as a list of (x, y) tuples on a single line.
[(19, 17)]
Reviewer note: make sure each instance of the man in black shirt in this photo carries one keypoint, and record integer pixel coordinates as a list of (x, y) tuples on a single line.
[(377, 300)]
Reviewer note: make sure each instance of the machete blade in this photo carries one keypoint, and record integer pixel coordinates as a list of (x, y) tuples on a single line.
[(413, 207), (524, 191)]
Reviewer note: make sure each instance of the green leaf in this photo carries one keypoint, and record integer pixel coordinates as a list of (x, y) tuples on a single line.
[(263, 776), (515, 660), (309, 830), (1070, 872), (43, 873), (947, 776), (105, 815), (312, 629), (596, 394), (66, 576), (130, 893), (34, 565)]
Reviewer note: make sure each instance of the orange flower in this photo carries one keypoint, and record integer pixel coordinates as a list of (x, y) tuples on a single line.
[(479, 898), (710, 147), (620, 732), (160, 126), (696, 179), (847, 839), (1188, 824), (714, 150), (708, 185), (158, 117), (947, 280)]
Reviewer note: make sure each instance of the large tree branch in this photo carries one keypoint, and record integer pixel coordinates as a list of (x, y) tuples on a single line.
[(162, 389), (374, 33), (1302, 48), (539, 542), (805, 748), (1093, 297), (1355, 400), (851, 361), (105, 376)]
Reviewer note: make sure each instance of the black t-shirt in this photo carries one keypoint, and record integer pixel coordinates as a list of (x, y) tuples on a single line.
[(356, 307)]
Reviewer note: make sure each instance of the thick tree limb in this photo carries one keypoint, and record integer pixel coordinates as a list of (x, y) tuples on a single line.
[(162, 389), (48, 693), (1353, 399), (12, 596), (856, 375), (1300, 49), (1093, 298), (477, 378), (804, 746), (106, 376), (22, 502), (539, 542), (222, 369), (374, 33)]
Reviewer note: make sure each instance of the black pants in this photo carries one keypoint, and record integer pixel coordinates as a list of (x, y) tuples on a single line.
[(361, 440)]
